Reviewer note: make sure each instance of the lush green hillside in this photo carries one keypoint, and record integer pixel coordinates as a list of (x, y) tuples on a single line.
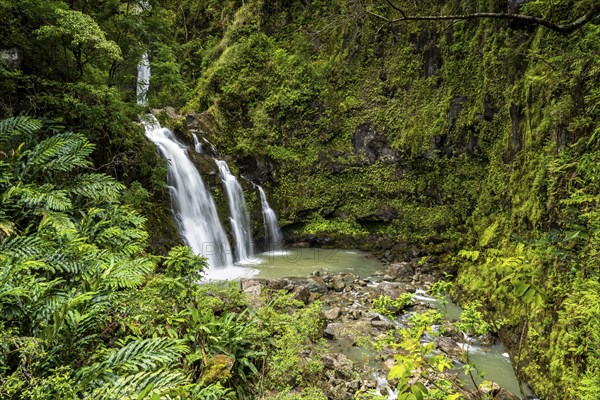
[(476, 136), (475, 140)]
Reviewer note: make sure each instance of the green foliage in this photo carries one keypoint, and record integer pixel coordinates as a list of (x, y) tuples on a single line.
[(391, 307), (343, 228), (182, 262), (82, 36), (416, 363), (471, 320)]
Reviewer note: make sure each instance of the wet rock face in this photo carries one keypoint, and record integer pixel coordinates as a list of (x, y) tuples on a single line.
[(372, 145)]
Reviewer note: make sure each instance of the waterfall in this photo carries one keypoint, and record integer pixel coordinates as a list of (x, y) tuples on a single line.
[(240, 221), (197, 144), (273, 236), (194, 206), (143, 80)]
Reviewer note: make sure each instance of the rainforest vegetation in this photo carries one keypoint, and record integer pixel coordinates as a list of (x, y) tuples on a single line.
[(473, 140)]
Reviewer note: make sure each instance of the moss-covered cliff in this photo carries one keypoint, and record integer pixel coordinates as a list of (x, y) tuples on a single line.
[(477, 135)]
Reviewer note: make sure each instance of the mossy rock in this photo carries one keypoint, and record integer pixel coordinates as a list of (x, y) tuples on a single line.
[(218, 369)]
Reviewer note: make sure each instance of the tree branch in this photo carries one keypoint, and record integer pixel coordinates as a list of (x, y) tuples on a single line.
[(561, 28)]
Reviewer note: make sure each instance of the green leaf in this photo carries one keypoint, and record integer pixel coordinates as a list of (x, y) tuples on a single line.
[(520, 288)]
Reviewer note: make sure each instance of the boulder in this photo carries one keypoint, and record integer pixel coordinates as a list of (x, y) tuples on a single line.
[(389, 289), (504, 394), (339, 363), (276, 284), (449, 346), (400, 272), (251, 286), (338, 283), (301, 293), (316, 284), (381, 323), (332, 314)]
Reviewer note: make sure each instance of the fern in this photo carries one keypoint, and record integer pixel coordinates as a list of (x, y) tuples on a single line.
[(61, 153), (97, 187), (123, 273), (43, 197), (21, 125), (22, 246), (60, 222), (136, 360), (142, 385)]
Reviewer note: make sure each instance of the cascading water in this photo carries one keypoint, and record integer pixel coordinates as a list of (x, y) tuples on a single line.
[(194, 206), (197, 144), (143, 80), (240, 221), (273, 236)]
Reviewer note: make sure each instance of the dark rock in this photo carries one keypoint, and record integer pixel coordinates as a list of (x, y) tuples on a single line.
[(277, 284), (301, 293), (338, 362), (432, 61), (372, 145), (504, 394), (332, 330), (353, 386), (316, 284), (516, 116), (449, 346), (489, 107), (382, 324)]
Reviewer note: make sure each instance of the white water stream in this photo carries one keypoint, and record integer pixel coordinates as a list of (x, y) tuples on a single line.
[(273, 236), (238, 215)]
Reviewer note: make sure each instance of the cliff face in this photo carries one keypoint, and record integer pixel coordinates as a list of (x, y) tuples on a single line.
[(476, 135)]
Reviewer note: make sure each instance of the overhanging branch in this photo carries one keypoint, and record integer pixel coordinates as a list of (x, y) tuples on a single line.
[(528, 19)]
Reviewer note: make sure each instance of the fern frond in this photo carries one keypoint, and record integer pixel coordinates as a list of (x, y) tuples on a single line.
[(97, 187), (60, 153), (140, 355), (125, 273), (146, 354), (60, 222), (22, 246), (59, 262), (142, 385), (20, 125), (39, 197)]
